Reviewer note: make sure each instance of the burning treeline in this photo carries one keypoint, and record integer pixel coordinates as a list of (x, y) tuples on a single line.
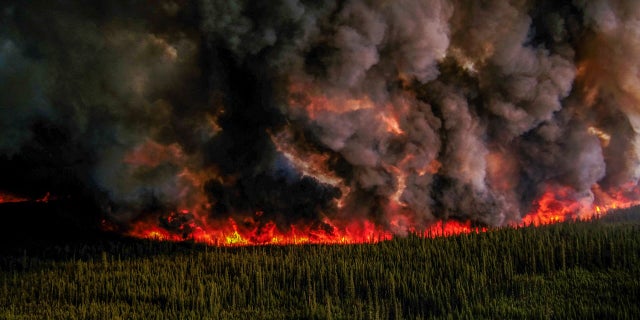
[(321, 121)]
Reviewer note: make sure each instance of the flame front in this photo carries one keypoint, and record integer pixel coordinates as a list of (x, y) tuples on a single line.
[(9, 198), (402, 210), (322, 121), (232, 233), (549, 209)]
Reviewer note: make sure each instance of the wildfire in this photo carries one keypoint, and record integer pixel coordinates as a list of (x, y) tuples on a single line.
[(451, 228), (10, 198), (192, 222), (231, 234), (558, 205), (555, 205), (550, 210), (248, 232)]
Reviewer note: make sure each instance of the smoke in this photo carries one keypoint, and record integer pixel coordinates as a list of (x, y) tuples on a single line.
[(294, 111)]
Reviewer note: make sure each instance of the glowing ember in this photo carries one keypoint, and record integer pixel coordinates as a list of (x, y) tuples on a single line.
[(9, 198)]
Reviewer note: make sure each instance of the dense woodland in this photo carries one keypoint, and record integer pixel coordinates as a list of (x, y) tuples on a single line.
[(577, 270)]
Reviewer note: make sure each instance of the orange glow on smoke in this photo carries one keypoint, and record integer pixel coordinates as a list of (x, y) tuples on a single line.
[(152, 154), (391, 124), (306, 162), (316, 104), (192, 220)]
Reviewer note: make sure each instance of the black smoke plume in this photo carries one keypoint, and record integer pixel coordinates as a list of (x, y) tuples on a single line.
[(296, 110)]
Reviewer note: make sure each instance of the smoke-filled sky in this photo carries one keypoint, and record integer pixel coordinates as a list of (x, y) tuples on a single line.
[(292, 111)]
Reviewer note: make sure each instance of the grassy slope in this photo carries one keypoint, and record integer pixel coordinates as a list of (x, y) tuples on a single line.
[(573, 270)]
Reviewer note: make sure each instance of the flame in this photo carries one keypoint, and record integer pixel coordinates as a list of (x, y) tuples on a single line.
[(11, 198), (550, 209), (232, 233), (331, 232), (556, 204), (451, 228), (193, 221)]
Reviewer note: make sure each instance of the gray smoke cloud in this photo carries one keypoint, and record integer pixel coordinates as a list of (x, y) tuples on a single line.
[(301, 110)]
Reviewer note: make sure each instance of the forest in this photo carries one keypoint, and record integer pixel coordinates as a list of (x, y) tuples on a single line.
[(577, 269)]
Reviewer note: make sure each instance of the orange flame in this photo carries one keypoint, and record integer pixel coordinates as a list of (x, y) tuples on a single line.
[(354, 232), (230, 233), (556, 204), (11, 198)]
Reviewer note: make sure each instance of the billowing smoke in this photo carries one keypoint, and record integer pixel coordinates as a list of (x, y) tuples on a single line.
[(302, 112)]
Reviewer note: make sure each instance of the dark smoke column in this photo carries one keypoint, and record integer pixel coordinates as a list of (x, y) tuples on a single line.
[(289, 115)]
